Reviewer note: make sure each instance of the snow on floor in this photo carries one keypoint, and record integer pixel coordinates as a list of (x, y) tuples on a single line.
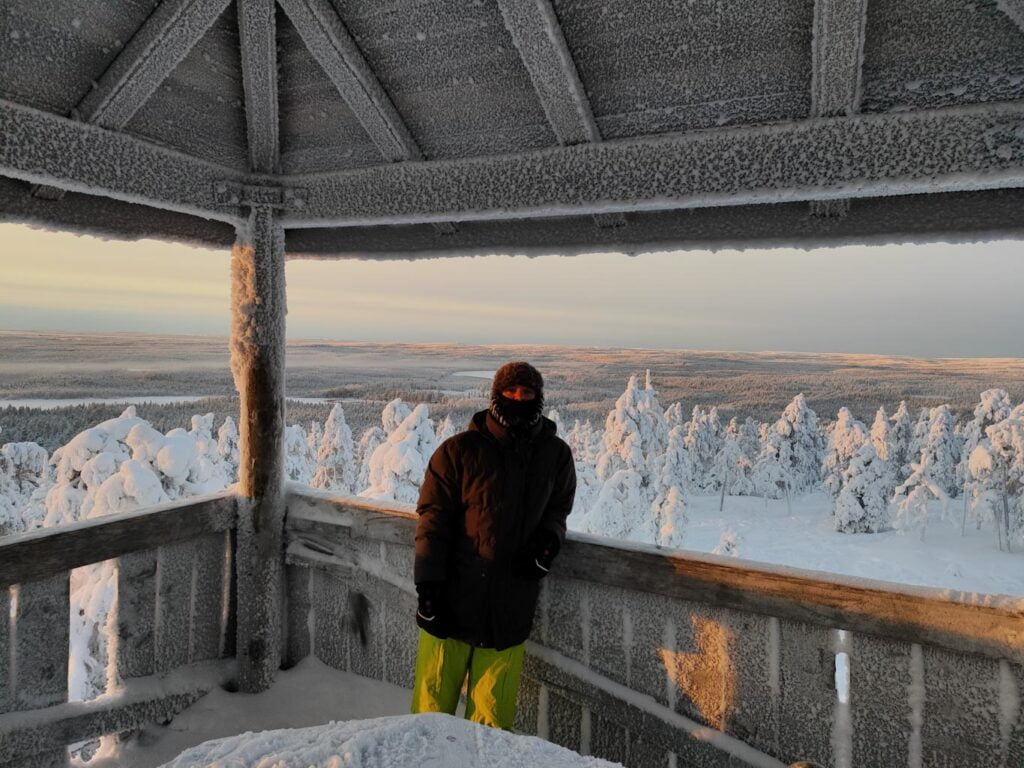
[(311, 693), (409, 741), (768, 533)]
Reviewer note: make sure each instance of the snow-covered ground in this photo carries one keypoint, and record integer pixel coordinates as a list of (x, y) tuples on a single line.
[(767, 532), (49, 403), (317, 717)]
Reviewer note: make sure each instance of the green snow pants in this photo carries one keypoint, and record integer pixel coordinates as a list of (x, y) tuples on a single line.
[(441, 667)]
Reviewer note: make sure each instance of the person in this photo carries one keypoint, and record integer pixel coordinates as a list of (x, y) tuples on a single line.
[(492, 512)]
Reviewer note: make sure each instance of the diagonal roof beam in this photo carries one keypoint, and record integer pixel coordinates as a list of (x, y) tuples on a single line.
[(545, 54), (159, 45), (257, 34), (163, 41), (950, 149), (1014, 9), (333, 47), (542, 47)]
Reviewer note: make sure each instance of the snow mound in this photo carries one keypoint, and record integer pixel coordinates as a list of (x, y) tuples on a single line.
[(406, 741)]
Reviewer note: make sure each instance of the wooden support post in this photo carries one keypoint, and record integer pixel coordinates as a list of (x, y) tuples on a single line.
[(257, 362)]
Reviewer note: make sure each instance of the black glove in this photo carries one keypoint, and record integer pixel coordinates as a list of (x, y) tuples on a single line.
[(432, 609), (535, 560)]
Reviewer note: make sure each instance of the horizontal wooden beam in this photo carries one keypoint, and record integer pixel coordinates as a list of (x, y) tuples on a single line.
[(43, 148), (50, 551), (142, 700), (332, 46), (992, 625), (953, 149)]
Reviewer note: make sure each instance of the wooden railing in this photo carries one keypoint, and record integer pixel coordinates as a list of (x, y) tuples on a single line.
[(638, 653), (174, 619)]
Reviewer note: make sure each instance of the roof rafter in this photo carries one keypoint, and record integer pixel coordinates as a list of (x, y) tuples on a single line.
[(836, 55), (332, 46), (163, 41), (101, 162), (542, 47), (951, 149), (257, 33)]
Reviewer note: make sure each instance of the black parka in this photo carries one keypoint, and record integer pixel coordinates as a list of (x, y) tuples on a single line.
[(484, 495)]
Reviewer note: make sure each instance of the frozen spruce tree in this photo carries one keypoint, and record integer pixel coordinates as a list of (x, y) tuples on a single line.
[(25, 478), (397, 466), (621, 509), (227, 446), (734, 470), (585, 442), (845, 439), (653, 424), (335, 459), (996, 467), (881, 435), (445, 428), (918, 438), (394, 413), (901, 434), (703, 444), (369, 441), (772, 474), (299, 463), (556, 417), (791, 452), (941, 452), (993, 407), (675, 416), (862, 505), (628, 443), (314, 437), (668, 512)]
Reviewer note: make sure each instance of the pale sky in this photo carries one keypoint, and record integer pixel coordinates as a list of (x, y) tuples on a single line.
[(936, 300)]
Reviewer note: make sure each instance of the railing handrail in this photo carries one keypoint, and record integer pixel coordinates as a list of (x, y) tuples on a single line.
[(991, 625), (47, 552)]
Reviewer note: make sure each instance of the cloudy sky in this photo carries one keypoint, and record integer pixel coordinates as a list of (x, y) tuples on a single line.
[(936, 300)]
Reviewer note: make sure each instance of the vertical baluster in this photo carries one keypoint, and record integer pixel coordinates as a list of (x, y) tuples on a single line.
[(136, 614), (298, 585), (211, 577), (807, 711), (173, 635), (752, 710), (6, 683), (880, 679), (40, 628)]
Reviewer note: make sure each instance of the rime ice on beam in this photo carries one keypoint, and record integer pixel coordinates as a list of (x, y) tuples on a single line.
[(331, 45), (257, 35), (541, 44), (1014, 9), (171, 31), (836, 57), (257, 363)]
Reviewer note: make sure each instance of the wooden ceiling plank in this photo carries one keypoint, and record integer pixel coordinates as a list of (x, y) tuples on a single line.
[(332, 46), (257, 34)]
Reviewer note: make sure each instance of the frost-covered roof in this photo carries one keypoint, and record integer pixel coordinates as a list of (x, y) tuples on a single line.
[(404, 127)]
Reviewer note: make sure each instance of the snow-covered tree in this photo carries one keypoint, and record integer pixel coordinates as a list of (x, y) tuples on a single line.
[(227, 446), (996, 467), (585, 441), (560, 429), (397, 466), (941, 452), (621, 507), (703, 444), (734, 469), (675, 416), (728, 544), (796, 443), (445, 428), (369, 441), (24, 479), (862, 505), (336, 468), (299, 463), (845, 439), (314, 437), (918, 438), (746, 435), (667, 514), (901, 434), (626, 444), (393, 414), (993, 407)]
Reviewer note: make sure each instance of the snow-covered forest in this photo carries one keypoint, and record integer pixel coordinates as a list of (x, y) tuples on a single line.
[(794, 490)]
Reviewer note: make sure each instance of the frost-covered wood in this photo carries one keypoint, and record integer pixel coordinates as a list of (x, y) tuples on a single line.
[(257, 363), (136, 614), (333, 47), (46, 149), (53, 551), (541, 44), (837, 53), (961, 148), (257, 33), (143, 700), (170, 32)]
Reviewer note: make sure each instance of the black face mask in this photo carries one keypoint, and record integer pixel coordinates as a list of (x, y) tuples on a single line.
[(519, 412)]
